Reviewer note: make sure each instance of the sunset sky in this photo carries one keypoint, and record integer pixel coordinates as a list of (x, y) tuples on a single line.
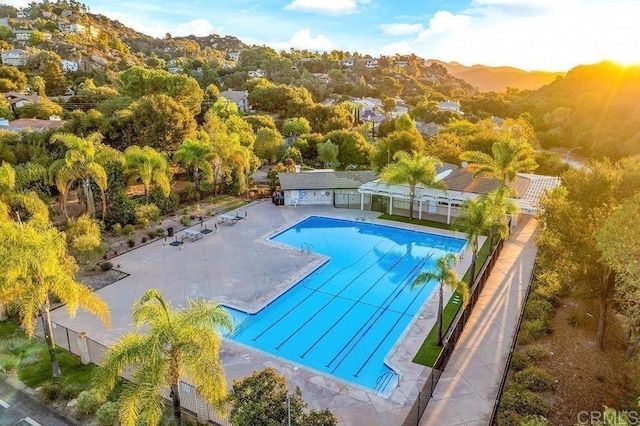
[(550, 35)]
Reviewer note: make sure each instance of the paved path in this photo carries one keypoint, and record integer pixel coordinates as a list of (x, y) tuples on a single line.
[(467, 389), (17, 408)]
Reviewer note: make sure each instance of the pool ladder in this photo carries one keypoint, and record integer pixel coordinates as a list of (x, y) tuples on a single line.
[(383, 381), (304, 246)]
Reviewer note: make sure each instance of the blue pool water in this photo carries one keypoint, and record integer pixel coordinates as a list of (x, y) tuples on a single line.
[(344, 317)]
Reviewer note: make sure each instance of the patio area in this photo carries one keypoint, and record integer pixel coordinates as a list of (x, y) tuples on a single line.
[(237, 266)]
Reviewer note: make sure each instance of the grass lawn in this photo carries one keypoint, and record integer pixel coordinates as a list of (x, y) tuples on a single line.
[(429, 223), (39, 371), (429, 351)]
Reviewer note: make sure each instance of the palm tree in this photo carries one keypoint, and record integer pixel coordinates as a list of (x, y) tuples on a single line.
[(411, 170), (503, 208), (508, 157), (20, 205), (149, 166), (197, 155), (477, 219), (445, 275), (34, 264), (176, 343), (84, 163)]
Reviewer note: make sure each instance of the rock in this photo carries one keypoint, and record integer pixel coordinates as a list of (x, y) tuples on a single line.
[(99, 60), (72, 403)]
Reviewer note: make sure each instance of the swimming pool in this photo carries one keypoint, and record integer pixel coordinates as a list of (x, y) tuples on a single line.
[(344, 317)]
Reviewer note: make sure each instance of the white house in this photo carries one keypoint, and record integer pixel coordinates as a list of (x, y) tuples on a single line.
[(72, 28), (14, 57), (22, 35), (256, 73), (21, 15), (450, 106), (372, 63), (69, 65)]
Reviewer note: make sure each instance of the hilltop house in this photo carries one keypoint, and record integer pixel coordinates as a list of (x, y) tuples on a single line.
[(14, 57), (238, 97), (22, 35), (68, 65), (450, 106)]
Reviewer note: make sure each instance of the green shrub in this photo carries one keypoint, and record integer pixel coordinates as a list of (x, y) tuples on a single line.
[(165, 204), (8, 362), (160, 232), (520, 361), (106, 266), (147, 213), (89, 401), (536, 352), (129, 229), (131, 242), (122, 209), (538, 309), (577, 318), (84, 234), (530, 420), (117, 229), (508, 418), (523, 402), (535, 379), (185, 220), (50, 391), (533, 330), (70, 391), (107, 414)]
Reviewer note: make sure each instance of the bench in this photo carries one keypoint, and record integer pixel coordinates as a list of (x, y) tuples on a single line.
[(191, 234), (228, 219)]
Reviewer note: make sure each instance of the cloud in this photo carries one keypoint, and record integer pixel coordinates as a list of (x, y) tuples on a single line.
[(563, 34), (401, 29), (304, 40), (17, 3), (399, 48), (198, 27), (325, 7)]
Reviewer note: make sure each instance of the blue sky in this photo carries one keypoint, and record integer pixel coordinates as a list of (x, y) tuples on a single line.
[(550, 35)]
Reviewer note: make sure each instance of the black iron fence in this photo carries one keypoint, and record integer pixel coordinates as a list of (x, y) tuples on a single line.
[(451, 338)]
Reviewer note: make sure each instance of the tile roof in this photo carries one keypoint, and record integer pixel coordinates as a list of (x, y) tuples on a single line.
[(35, 124), (463, 181), (325, 179)]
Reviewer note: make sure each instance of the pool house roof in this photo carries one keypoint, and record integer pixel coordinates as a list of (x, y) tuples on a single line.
[(460, 185), (325, 179)]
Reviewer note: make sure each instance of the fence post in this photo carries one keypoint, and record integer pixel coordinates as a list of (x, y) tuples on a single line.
[(202, 411), (83, 348)]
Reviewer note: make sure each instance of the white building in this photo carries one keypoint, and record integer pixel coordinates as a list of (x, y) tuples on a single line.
[(69, 65)]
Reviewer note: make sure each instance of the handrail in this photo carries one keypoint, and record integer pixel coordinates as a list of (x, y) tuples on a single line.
[(307, 245)]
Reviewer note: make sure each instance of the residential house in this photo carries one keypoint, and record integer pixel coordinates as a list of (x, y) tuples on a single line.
[(21, 15), (233, 56), (428, 129), (371, 63), (347, 63), (4, 22), (402, 63), (324, 187), (34, 124), (14, 57), (323, 77), (72, 28), (22, 35), (238, 97), (18, 100), (450, 106), (256, 73), (69, 65)]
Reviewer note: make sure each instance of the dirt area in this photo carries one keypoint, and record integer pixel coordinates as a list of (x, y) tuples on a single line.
[(588, 378)]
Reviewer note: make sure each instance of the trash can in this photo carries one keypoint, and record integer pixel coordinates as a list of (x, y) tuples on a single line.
[(170, 231)]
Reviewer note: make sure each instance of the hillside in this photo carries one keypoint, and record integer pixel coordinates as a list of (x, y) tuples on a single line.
[(498, 79)]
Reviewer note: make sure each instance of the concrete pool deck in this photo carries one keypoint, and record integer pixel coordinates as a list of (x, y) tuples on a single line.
[(238, 267)]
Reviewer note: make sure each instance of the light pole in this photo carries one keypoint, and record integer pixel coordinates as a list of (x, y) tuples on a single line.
[(569, 151)]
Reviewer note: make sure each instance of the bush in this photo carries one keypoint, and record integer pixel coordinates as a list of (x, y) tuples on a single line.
[(89, 401), (131, 242), (121, 209), (160, 232), (143, 240), (107, 414), (520, 361), (535, 379), (50, 391), (508, 418), (530, 420), (83, 234), (523, 402), (536, 352), (538, 309), (147, 213), (129, 229), (70, 391), (117, 229), (165, 204), (185, 220), (106, 266), (532, 330)]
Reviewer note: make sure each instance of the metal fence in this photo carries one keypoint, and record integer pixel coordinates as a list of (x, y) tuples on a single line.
[(514, 342), (451, 338), (192, 404)]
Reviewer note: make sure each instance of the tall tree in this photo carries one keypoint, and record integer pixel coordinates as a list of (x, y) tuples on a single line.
[(149, 166), (445, 275), (196, 155), (411, 170), (176, 344), (508, 157), (83, 163), (34, 264)]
